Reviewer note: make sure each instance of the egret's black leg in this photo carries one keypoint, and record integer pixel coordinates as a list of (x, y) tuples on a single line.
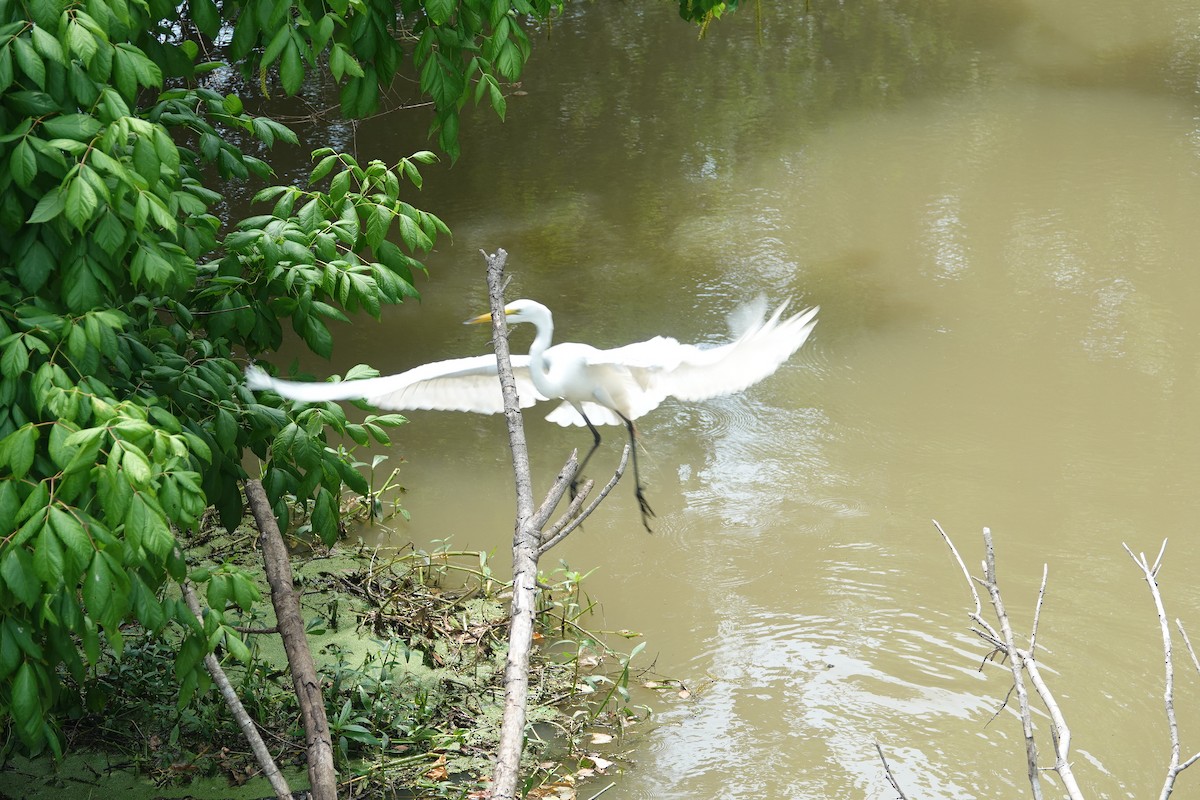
[(582, 464), (643, 505)]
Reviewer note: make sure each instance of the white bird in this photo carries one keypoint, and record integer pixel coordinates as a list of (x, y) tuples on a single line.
[(597, 387)]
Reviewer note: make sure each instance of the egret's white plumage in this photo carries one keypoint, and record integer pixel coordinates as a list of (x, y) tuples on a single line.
[(597, 387)]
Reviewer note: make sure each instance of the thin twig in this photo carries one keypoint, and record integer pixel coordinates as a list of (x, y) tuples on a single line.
[(554, 536), (887, 770), (557, 490), (1188, 644), (602, 791), (1037, 610)]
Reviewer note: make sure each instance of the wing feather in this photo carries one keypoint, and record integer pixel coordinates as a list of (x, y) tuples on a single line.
[(460, 384), (640, 376)]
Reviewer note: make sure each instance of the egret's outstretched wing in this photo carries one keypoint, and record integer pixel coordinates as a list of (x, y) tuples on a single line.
[(728, 368), (460, 384), (642, 375)]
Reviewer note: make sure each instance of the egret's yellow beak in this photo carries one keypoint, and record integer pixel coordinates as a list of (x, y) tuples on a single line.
[(478, 320)]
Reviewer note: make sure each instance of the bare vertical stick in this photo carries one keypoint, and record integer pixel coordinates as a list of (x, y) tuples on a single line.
[(1016, 664), (525, 543), (528, 544)]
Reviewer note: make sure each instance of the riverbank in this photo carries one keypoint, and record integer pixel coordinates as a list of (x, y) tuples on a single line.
[(410, 646)]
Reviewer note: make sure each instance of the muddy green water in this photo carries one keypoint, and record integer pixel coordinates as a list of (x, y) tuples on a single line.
[(997, 205)]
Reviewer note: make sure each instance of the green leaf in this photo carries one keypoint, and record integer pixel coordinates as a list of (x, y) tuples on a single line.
[(317, 337), (80, 286), (16, 568), (218, 592), (26, 706), (14, 362), (82, 41), (30, 509), (441, 81), (379, 219), (146, 160), (6, 69), (105, 590), (80, 127), (81, 202), (71, 534), (291, 67), (29, 61), (499, 105), (237, 647), (439, 11), (276, 45), (136, 467), (18, 448), (10, 502), (49, 207), (509, 61), (35, 266), (325, 516), (109, 233), (23, 163), (48, 558), (206, 17)]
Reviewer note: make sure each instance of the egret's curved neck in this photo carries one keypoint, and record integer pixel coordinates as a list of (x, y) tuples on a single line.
[(544, 325)]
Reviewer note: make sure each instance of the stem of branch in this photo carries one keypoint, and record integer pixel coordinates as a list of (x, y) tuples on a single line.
[(261, 753), (888, 772), (278, 567), (526, 539)]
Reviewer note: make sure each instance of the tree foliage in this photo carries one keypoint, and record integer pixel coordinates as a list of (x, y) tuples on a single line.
[(127, 307)]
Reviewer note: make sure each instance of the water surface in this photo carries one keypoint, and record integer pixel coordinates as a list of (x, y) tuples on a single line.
[(996, 206)]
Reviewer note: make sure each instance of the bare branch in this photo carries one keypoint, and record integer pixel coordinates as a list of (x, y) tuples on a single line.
[(1037, 610), (1016, 664), (1021, 663), (556, 491), (1188, 643), (261, 753), (1150, 574), (306, 683), (888, 772), (566, 524), (525, 540)]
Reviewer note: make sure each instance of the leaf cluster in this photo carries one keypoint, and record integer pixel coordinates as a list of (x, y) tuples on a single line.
[(127, 310), (458, 48)]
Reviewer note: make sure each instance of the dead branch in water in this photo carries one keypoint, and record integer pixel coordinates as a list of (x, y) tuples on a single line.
[(888, 772), (1150, 573), (1022, 665)]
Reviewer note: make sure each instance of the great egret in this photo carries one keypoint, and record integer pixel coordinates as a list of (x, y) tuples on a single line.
[(597, 387)]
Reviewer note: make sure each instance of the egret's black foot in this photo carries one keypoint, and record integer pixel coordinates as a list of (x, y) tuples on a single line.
[(574, 488), (644, 505)]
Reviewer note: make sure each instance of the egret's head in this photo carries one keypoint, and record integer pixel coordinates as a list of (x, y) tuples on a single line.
[(517, 311)]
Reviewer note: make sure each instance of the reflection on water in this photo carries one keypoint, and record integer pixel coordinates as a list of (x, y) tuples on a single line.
[(995, 205)]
